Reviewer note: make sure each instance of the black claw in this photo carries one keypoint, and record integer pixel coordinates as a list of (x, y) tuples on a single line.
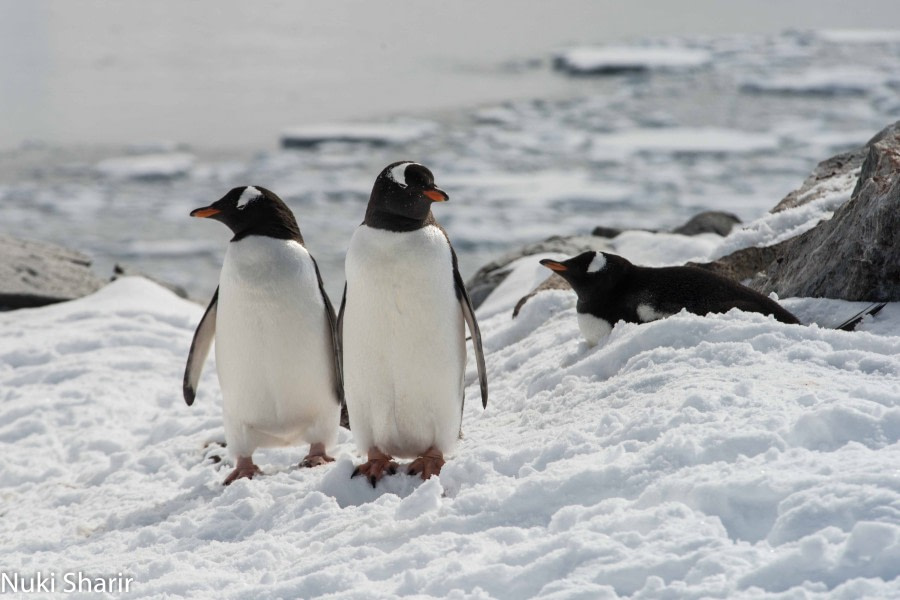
[(354, 473), (412, 472), (392, 470), (372, 480)]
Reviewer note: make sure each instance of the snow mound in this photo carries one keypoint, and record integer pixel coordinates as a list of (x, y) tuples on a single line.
[(729, 456), (608, 60), (377, 134), (147, 166)]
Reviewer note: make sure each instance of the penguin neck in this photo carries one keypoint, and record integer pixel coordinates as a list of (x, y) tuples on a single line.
[(279, 230), (393, 222)]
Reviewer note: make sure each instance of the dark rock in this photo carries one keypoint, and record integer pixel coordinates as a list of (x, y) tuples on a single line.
[(606, 232), (855, 255), (711, 221), (37, 273), (744, 265)]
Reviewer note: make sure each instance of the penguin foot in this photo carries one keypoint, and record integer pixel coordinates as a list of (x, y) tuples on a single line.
[(376, 467), (244, 468), (316, 457), (428, 464)]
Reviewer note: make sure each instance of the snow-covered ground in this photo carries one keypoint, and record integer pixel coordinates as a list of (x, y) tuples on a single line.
[(730, 456)]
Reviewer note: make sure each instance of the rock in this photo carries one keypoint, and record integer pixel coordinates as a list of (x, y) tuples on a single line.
[(745, 264), (842, 164), (710, 221), (373, 134), (855, 255), (37, 273)]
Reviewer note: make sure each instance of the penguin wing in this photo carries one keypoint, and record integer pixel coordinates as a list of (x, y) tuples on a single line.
[(340, 321), (335, 340), (203, 339), (469, 314)]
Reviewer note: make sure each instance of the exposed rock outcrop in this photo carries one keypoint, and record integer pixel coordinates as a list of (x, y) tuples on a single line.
[(37, 273), (855, 255)]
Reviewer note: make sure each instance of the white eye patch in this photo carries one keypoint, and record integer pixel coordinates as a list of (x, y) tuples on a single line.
[(597, 264), (398, 174), (250, 194)]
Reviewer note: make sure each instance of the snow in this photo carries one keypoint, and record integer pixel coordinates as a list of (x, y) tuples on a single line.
[(617, 59), (370, 133), (724, 456)]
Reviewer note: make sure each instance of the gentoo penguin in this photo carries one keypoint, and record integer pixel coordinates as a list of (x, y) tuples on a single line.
[(402, 322), (275, 331), (611, 289)]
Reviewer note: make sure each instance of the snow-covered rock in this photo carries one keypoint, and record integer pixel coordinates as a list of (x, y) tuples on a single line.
[(378, 134), (854, 255), (730, 456), (611, 60)]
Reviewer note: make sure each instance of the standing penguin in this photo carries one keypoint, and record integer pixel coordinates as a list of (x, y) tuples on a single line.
[(402, 321), (611, 289), (276, 349)]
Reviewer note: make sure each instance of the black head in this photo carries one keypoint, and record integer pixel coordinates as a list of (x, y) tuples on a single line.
[(253, 210), (402, 196), (590, 272)]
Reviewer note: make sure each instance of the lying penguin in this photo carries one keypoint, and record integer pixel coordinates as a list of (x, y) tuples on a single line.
[(275, 331), (611, 289)]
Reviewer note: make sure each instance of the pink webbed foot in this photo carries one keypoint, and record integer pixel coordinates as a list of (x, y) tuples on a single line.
[(316, 457), (428, 464), (244, 468), (376, 467)]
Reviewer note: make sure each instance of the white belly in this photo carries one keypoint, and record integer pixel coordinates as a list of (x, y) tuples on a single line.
[(404, 342), (273, 348), (593, 328)]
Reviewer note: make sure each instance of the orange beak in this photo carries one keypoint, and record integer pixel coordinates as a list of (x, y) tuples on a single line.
[(436, 195), (204, 212), (553, 265)]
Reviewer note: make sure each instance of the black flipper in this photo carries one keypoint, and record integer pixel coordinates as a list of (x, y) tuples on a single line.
[(339, 345), (469, 315), (851, 323), (203, 339), (335, 342)]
